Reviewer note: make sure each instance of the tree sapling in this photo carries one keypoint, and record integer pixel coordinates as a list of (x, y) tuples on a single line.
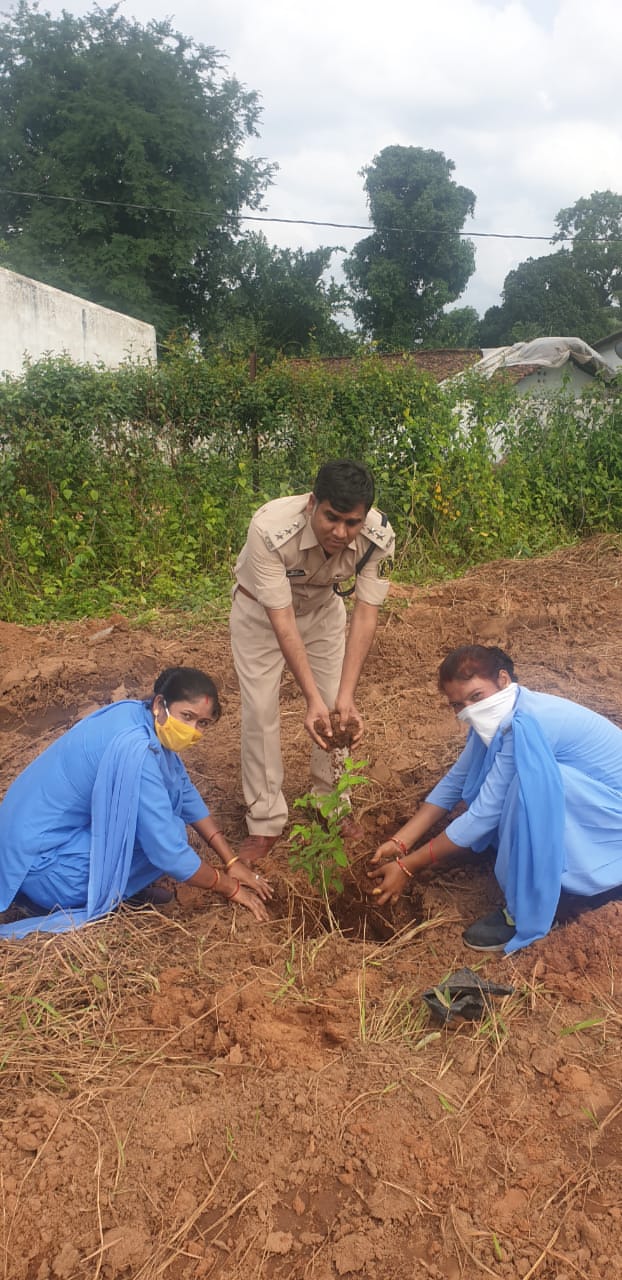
[(317, 845)]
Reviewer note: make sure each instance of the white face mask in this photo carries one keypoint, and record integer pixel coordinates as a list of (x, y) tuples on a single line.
[(486, 716)]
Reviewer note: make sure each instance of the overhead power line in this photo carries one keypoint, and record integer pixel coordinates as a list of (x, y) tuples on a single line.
[(304, 222), (427, 231)]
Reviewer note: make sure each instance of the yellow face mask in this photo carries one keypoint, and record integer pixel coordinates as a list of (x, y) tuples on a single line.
[(174, 734)]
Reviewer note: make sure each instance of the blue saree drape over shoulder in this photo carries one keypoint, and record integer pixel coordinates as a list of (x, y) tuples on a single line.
[(103, 805)]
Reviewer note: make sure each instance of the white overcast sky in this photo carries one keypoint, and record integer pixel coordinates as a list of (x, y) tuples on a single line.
[(523, 95)]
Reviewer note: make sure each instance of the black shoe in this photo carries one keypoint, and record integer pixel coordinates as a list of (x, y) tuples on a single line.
[(492, 932), (153, 895), (28, 910)]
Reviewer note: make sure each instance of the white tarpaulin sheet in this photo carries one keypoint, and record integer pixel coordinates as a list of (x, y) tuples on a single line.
[(552, 353)]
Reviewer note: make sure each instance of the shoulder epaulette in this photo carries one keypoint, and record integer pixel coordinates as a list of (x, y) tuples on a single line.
[(379, 533), (275, 540), (378, 536)]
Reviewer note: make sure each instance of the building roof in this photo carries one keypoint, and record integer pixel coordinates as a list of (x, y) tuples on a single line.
[(440, 362), (611, 337), (516, 372)]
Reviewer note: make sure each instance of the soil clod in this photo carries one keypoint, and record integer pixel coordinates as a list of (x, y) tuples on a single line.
[(342, 738)]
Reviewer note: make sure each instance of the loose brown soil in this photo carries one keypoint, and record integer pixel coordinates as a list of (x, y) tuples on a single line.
[(341, 738), (192, 1094)]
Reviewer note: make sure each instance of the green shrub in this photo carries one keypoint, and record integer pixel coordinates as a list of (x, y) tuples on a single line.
[(124, 487)]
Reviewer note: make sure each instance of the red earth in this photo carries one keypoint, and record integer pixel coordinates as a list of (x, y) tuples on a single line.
[(191, 1094)]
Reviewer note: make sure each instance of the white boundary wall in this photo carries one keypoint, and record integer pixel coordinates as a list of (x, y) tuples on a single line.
[(36, 321)]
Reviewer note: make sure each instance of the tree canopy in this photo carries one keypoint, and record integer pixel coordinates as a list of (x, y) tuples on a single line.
[(595, 222), (145, 124), (278, 301), (543, 297), (415, 261), (456, 328)]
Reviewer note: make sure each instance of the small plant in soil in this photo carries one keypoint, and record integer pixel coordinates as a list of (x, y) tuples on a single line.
[(317, 845)]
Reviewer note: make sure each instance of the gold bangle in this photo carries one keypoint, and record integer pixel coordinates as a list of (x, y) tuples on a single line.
[(231, 861), (217, 880)]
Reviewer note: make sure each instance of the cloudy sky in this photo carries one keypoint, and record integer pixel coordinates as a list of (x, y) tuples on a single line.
[(523, 96)]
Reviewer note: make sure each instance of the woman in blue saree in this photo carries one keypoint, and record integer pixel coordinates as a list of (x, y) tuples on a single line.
[(541, 778), (102, 813)]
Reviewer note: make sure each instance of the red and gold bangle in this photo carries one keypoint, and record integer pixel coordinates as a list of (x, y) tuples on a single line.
[(431, 852), (231, 896), (404, 868), (212, 837), (217, 880), (399, 844)]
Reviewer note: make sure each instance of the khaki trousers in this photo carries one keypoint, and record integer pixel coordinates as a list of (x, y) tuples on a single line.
[(259, 665)]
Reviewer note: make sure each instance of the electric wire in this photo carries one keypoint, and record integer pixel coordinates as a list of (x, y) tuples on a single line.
[(309, 222)]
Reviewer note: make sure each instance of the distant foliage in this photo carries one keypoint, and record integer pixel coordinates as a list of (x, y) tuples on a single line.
[(279, 302), (123, 161), (595, 223), (548, 295), (576, 291), (416, 260), (134, 488)]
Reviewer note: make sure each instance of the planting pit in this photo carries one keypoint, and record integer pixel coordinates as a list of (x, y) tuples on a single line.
[(358, 918), (190, 1095)]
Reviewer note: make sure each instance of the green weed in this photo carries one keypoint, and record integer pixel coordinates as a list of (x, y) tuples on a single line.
[(582, 1026), (230, 1143)]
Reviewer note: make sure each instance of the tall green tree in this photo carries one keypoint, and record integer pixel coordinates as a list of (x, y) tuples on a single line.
[(279, 301), (415, 261), (456, 328), (545, 297), (143, 121), (595, 222)]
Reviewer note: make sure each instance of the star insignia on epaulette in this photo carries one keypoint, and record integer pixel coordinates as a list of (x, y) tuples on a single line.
[(376, 532), (285, 533)]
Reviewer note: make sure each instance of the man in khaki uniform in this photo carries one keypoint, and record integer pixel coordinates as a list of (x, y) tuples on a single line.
[(286, 611)]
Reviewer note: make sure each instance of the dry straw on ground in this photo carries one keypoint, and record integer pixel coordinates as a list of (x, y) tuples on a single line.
[(193, 1095)]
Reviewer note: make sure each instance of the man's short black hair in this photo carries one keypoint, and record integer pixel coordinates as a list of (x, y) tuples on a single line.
[(345, 484)]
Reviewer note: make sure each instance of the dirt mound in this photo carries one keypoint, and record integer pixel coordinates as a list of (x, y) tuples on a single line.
[(191, 1095)]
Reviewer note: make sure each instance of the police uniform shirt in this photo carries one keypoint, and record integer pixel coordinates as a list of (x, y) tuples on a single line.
[(282, 561)]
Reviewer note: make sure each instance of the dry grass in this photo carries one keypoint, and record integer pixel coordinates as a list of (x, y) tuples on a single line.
[(75, 1029), (201, 1089)]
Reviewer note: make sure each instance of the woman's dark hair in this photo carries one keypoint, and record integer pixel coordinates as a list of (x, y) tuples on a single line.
[(344, 484), (186, 684), (474, 660)]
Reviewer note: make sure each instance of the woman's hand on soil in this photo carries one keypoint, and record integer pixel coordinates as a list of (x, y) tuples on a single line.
[(247, 898), (387, 850), (253, 880), (389, 882)]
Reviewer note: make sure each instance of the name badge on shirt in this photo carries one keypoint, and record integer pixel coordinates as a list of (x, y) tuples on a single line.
[(295, 573)]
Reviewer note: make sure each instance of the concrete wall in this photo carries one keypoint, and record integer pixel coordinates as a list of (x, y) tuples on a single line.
[(611, 349), (545, 379), (36, 320)]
